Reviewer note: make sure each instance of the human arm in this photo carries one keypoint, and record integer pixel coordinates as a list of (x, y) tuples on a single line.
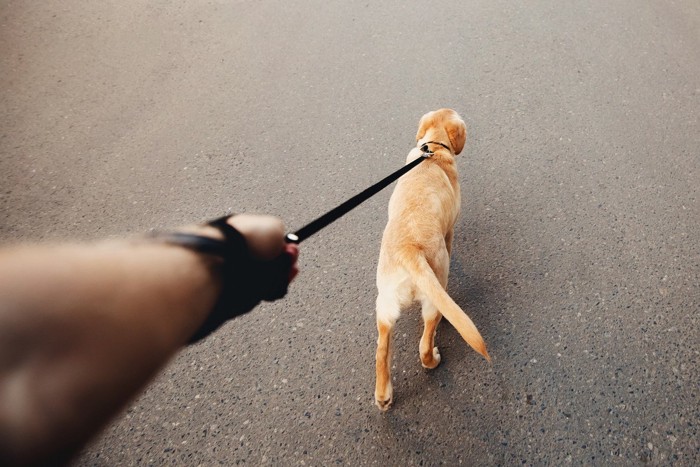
[(84, 327)]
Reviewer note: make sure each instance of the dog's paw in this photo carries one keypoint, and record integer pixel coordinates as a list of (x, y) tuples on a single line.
[(385, 399), (431, 361), (384, 405)]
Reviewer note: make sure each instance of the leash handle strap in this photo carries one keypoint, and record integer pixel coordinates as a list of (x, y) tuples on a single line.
[(337, 212)]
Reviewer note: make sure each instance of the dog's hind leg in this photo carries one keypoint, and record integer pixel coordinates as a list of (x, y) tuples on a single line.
[(429, 354), (387, 314)]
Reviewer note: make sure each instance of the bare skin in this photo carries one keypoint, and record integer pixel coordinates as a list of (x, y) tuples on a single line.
[(84, 327)]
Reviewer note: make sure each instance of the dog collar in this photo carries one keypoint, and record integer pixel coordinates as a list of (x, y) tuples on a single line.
[(424, 146)]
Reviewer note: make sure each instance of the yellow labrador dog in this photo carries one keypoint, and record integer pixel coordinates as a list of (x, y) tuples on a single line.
[(414, 260)]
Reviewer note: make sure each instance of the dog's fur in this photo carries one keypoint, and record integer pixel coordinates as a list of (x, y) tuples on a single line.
[(414, 260)]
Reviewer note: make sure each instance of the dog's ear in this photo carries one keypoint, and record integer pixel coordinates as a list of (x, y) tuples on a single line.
[(457, 132), (426, 121)]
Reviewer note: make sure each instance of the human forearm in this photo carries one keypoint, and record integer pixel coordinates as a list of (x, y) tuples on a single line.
[(83, 328), (91, 325)]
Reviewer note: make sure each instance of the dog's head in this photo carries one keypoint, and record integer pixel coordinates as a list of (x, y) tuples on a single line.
[(443, 126)]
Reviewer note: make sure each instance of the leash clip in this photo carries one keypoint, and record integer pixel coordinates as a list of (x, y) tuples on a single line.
[(426, 151)]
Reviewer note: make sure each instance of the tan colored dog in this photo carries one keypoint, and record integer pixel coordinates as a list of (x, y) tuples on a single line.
[(414, 260)]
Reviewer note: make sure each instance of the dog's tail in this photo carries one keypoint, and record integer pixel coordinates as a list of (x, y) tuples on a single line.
[(425, 279)]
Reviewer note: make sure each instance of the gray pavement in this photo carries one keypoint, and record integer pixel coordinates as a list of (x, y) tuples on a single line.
[(577, 253)]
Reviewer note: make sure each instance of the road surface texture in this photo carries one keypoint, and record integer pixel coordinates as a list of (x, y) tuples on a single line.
[(577, 253)]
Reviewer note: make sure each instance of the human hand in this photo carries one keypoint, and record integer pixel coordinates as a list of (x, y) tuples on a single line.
[(262, 270), (265, 237)]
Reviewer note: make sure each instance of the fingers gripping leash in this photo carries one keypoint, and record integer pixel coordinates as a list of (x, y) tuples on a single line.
[(245, 279)]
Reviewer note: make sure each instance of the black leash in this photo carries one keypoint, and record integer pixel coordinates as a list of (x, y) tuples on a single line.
[(338, 212)]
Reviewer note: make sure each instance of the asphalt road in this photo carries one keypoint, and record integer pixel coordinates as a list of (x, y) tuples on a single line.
[(577, 253)]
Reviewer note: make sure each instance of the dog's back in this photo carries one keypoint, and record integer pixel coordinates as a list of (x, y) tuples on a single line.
[(423, 208)]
